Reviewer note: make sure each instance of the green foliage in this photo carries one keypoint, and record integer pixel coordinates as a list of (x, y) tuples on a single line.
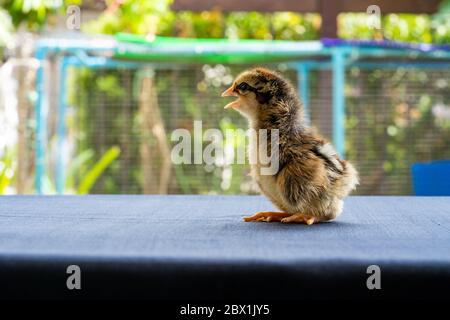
[(156, 18), (293, 26), (195, 25), (75, 169), (7, 170), (132, 16), (354, 26), (93, 174), (34, 13), (407, 28), (6, 29), (398, 27), (440, 23), (109, 84), (81, 173), (106, 116), (249, 25)]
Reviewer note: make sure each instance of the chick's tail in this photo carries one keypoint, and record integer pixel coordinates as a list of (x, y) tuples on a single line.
[(347, 181)]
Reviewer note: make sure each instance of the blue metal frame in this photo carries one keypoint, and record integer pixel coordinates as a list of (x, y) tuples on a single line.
[(61, 126), (41, 109), (74, 54), (338, 62), (303, 89)]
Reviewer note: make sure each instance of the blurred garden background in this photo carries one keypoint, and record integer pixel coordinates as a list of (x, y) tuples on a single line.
[(393, 118)]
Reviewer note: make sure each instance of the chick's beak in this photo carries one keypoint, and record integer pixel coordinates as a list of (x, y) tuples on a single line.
[(228, 93)]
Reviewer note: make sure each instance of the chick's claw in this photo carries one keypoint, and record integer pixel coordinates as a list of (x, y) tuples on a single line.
[(267, 216), (299, 218)]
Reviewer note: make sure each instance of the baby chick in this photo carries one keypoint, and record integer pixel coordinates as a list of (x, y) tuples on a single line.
[(311, 180)]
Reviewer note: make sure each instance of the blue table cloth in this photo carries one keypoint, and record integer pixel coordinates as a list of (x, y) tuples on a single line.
[(198, 248)]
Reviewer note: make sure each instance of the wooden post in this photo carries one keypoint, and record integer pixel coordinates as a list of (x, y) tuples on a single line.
[(25, 81), (329, 11), (154, 148)]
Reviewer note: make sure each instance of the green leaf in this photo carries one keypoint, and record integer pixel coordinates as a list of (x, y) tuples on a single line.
[(76, 165), (91, 177)]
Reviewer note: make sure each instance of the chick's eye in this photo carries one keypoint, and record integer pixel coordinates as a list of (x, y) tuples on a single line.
[(243, 86)]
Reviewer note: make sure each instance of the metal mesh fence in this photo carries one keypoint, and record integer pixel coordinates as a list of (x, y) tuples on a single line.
[(393, 119)]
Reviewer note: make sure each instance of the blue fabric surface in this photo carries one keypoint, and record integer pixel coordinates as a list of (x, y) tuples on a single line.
[(198, 247)]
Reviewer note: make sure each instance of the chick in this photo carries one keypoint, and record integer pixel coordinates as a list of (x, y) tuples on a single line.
[(311, 180)]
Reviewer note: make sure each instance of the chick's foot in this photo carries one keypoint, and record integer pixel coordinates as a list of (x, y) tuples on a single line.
[(267, 216), (300, 218)]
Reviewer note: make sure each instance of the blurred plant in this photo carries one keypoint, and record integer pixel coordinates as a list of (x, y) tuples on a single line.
[(440, 23), (407, 124), (6, 30), (75, 167), (121, 16), (407, 27), (354, 26), (80, 180), (7, 169), (398, 27), (207, 24), (294, 26), (249, 25), (34, 14), (156, 18), (24, 16), (88, 181)]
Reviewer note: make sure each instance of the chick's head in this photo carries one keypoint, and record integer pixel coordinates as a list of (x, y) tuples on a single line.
[(255, 90)]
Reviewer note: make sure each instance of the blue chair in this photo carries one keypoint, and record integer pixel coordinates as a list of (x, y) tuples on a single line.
[(431, 178)]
